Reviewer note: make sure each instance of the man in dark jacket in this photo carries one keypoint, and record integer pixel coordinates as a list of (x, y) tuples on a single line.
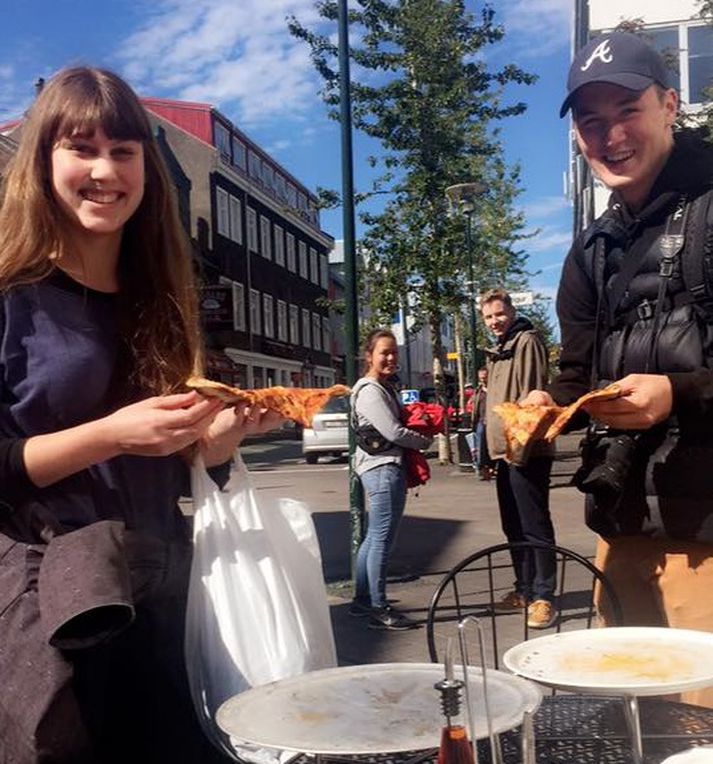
[(516, 365), (635, 307)]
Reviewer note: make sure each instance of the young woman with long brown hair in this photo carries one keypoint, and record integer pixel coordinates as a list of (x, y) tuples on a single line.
[(377, 406), (98, 332)]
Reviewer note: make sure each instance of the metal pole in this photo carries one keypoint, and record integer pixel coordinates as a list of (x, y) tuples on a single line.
[(473, 325), (351, 318)]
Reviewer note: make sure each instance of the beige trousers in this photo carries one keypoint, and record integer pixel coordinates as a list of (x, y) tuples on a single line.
[(660, 583)]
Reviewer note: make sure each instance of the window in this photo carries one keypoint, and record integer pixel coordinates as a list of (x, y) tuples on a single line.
[(303, 260), (291, 195), (282, 321), (294, 325), (291, 253), (236, 220), (326, 335), (238, 307), (254, 165), (324, 271), (222, 140), (252, 229), (268, 176), (222, 213), (305, 327), (265, 247), (279, 245), (313, 266), (316, 331), (255, 312), (268, 316), (239, 154), (281, 187), (700, 63)]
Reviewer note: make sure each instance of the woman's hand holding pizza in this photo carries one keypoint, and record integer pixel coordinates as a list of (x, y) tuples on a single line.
[(231, 426)]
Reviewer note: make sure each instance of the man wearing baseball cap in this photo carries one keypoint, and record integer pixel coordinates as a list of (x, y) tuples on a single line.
[(635, 305)]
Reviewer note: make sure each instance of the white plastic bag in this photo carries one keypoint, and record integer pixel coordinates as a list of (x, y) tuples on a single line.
[(257, 604)]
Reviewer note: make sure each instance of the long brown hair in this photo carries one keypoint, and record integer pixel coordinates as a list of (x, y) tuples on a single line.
[(159, 316)]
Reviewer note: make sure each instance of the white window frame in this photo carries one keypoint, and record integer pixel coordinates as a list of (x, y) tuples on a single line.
[(326, 334), (313, 266), (316, 331), (222, 140), (222, 213), (324, 271), (282, 321), (252, 229), (294, 324), (238, 307), (290, 247), (268, 315), (304, 265), (236, 219), (279, 233), (265, 244), (240, 154), (255, 310), (306, 328)]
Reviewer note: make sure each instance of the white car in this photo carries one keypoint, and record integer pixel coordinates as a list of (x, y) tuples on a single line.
[(329, 433)]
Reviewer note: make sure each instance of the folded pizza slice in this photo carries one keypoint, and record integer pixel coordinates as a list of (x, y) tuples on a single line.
[(299, 404)]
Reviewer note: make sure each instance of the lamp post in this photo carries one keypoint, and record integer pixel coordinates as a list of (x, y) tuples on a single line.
[(351, 318), (461, 198)]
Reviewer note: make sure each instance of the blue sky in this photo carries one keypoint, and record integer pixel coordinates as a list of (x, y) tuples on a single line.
[(238, 55)]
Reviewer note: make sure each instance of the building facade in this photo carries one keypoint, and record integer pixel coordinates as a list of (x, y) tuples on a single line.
[(263, 256), (675, 29)]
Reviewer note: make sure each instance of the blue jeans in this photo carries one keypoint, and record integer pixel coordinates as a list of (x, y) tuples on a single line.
[(385, 486)]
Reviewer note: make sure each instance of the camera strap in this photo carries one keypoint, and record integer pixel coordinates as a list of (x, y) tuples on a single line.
[(671, 246)]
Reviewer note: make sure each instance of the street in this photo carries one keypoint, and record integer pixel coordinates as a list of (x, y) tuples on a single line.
[(447, 519)]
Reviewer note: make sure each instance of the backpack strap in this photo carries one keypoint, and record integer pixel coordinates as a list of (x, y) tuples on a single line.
[(697, 259)]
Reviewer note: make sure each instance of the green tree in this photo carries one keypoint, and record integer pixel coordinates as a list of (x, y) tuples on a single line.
[(426, 93)]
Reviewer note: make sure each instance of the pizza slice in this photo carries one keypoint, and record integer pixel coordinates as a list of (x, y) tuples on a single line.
[(299, 404), (524, 424), (606, 393)]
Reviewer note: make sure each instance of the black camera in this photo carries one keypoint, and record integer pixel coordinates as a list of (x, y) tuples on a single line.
[(607, 457)]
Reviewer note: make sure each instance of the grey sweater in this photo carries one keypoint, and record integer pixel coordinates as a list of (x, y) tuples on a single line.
[(375, 405)]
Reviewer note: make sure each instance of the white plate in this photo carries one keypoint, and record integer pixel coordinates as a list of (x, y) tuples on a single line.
[(377, 708), (701, 755), (623, 660)]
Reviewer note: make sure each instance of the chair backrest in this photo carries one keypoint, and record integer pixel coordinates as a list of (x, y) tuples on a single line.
[(476, 584)]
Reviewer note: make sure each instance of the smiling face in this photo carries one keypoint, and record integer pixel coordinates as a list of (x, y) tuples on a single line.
[(98, 182), (383, 359), (498, 317), (625, 136)]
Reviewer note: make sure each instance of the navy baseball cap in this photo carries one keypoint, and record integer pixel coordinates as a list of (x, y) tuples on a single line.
[(619, 58)]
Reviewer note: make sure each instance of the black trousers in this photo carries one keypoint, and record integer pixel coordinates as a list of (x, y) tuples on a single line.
[(523, 497)]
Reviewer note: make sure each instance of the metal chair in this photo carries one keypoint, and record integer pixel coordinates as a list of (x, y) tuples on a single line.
[(476, 584)]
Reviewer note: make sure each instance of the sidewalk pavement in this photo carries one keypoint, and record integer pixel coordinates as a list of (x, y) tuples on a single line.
[(452, 516)]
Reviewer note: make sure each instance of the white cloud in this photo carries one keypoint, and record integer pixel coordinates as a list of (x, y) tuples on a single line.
[(233, 54), (549, 239), (542, 26), (545, 207)]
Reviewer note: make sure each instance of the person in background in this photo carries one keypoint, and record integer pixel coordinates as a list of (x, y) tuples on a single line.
[(484, 465), (634, 307), (98, 333), (516, 365), (376, 412)]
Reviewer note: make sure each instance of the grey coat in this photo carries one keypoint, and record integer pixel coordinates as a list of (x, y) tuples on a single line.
[(373, 404)]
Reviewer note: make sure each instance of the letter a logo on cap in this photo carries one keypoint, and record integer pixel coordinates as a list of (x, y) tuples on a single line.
[(602, 52)]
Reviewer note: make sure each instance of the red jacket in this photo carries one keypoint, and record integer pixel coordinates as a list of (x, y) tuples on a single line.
[(426, 419)]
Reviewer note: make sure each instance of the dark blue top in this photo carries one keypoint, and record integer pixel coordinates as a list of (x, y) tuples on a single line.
[(58, 357)]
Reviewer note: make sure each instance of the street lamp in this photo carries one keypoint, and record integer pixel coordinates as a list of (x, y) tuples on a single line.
[(461, 198)]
